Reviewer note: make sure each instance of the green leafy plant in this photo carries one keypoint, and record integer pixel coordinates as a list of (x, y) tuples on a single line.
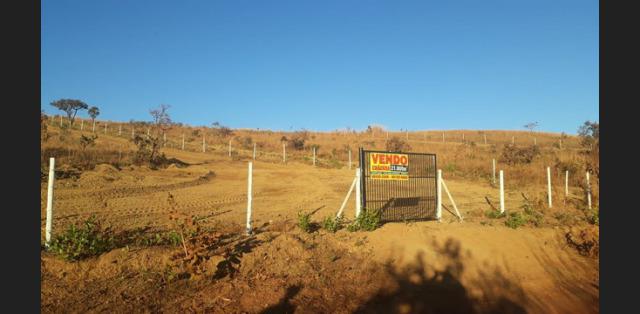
[(78, 242), (593, 217), (368, 220), (515, 220), (304, 221), (533, 216), (332, 224), (494, 214)]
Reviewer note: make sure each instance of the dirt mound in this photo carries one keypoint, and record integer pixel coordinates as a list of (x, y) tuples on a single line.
[(103, 173)]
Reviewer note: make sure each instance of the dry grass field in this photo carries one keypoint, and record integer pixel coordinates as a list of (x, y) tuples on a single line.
[(179, 244)]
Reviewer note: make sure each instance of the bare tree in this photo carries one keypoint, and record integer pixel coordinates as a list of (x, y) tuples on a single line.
[(161, 119), (70, 107), (531, 126)]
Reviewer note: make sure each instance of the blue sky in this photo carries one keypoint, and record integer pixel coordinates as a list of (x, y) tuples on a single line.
[(323, 65)]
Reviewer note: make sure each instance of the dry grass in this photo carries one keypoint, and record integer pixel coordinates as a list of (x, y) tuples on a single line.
[(469, 158)]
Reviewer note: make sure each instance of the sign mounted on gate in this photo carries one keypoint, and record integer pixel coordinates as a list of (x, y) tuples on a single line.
[(389, 166), (401, 185)]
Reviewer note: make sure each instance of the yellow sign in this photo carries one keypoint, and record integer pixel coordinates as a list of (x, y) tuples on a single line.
[(389, 166)]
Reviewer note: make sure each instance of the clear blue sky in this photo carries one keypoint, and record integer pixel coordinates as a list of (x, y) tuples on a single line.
[(324, 65)]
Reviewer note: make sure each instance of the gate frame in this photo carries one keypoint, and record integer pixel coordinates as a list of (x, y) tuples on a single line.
[(363, 190)]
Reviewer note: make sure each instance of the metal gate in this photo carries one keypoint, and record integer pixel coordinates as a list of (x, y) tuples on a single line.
[(401, 191)]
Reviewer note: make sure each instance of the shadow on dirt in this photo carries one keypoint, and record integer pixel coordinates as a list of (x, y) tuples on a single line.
[(284, 306), (233, 255), (411, 290)]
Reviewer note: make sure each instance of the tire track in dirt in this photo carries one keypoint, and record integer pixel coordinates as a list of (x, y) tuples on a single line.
[(189, 205), (138, 190)]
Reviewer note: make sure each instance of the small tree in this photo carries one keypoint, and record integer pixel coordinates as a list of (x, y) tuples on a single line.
[(70, 107), (87, 141), (161, 119), (589, 133), (94, 112), (221, 130), (531, 126), (396, 144)]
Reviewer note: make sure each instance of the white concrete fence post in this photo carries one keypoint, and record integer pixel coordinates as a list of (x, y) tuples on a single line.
[(344, 203), (566, 183), (133, 132), (204, 145), (94, 126), (501, 191), (148, 131), (119, 130), (588, 191), (249, 196), (463, 137), (254, 151), (513, 140), (229, 148), (81, 125), (358, 200), (182, 141), (549, 186), (49, 223), (443, 137), (60, 120), (439, 195), (349, 159), (164, 139), (284, 152), (314, 155), (485, 139)]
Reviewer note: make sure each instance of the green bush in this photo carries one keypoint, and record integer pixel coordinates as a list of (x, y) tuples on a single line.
[(170, 238), (593, 217), (332, 224), (515, 220), (78, 242), (533, 216), (494, 214), (304, 221), (368, 220)]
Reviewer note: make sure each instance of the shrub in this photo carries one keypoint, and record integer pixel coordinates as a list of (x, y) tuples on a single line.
[(87, 141), (494, 214), (533, 216), (332, 224), (246, 142), (368, 220), (513, 155), (79, 242), (304, 221), (298, 139), (396, 144), (593, 217), (515, 220)]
